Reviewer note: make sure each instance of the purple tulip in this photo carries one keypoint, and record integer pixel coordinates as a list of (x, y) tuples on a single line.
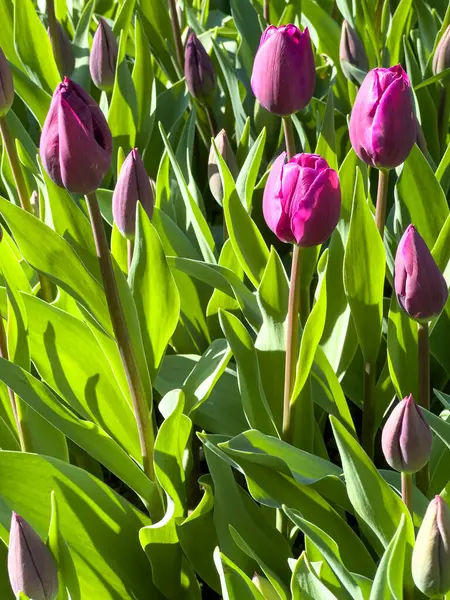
[(103, 58), (284, 74), (302, 199), (352, 51), (31, 567), (6, 85), (132, 185), (199, 70), (406, 438), (76, 142), (431, 554), (383, 124), (441, 58), (419, 285)]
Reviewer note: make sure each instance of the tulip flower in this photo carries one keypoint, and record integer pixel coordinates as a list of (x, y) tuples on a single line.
[(62, 50), (351, 51), (431, 554), (302, 199), (419, 285), (6, 85), (441, 58), (76, 142), (132, 185), (31, 567), (199, 70), (214, 178), (382, 124), (406, 439), (284, 75), (103, 58)]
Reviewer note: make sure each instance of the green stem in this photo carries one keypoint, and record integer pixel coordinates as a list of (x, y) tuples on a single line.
[(266, 12), (176, 32), (140, 403), (423, 477), (407, 491), (289, 136), (305, 304), (211, 121), (380, 216), (22, 190), (443, 116), (368, 419), (291, 343), (130, 250), (54, 36)]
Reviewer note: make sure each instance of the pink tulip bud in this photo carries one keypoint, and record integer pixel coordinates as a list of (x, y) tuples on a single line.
[(441, 58), (31, 567), (382, 124), (284, 75), (431, 554), (302, 199), (132, 185), (419, 285), (199, 70), (225, 150), (76, 142), (6, 85), (406, 438), (103, 58)]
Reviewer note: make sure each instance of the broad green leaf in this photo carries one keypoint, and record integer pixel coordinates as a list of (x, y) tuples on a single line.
[(33, 46), (395, 34), (388, 582), (35, 97), (219, 299), (326, 144), (248, 243), (236, 585), (99, 526), (145, 86), (364, 272), (254, 401), (154, 291), (443, 171), (416, 185), (402, 351), (248, 174), (246, 20), (123, 111), (81, 49), (67, 577), (156, 21), (124, 16), (305, 584)]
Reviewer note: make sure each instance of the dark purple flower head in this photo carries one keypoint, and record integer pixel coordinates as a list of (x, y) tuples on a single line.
[(199, 70), (103, 58)]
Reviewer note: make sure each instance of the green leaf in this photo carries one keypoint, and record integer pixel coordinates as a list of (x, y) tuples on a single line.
[(246, 181), (154, 291), (33, 46), (145, 86), (388, 582), (35, 97), (395, 35), (364, 272), (305, 584), (246, 20), (81, 49), (402, 351), (254, 401), (235, 583), (99, 526), (416, 185), (156, 21), (326, 144)]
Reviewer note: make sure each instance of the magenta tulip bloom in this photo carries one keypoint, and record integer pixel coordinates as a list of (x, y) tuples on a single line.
[(383, 125), (419, 285), (406, 439), (133, 185), (284, 74), (76, 142), (31, 567), (302, 199)]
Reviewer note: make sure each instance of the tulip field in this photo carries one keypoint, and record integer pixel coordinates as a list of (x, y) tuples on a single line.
[(224, 308)]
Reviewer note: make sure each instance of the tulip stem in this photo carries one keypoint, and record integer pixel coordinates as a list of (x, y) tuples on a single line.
[(22, 191), (130, 250), (407, 491), (267, 11), (176, 32), (289, 136), (140, 404), (291, 342), (14, 400), (368, 418), (211, 121), (380, 216), (422, 477)]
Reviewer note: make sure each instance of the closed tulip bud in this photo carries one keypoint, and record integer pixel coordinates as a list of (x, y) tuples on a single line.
[(132, 185), (441, 58), (351, 51), (265, 587), (419, 285), (431, 554), (31, 567), (225, 150), (103, 58), (6, 85), (199, 70), (302, 199), (406, 439), (62, 50), (76, 142), (383, 124), (284, 75)]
